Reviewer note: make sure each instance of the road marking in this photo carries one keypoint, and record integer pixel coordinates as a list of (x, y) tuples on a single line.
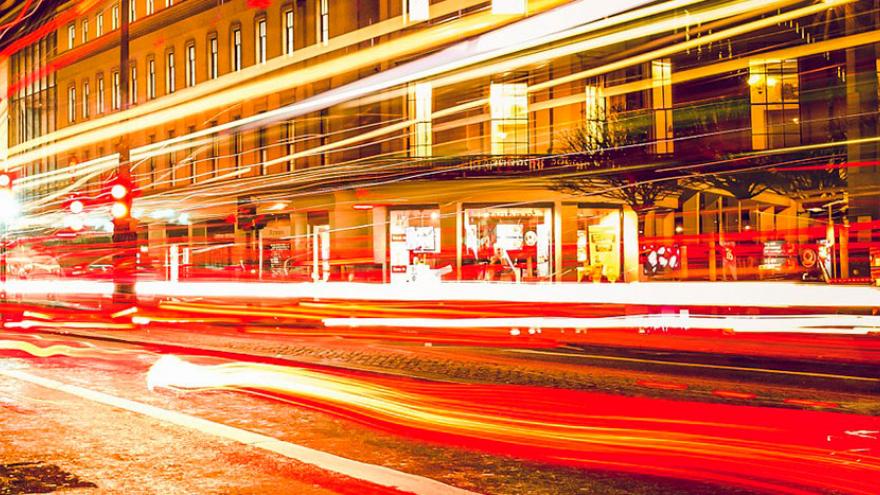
[(372, 473), (697, 365)]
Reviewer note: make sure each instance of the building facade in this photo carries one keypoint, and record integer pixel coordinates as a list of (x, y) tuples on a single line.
[(388, 140)]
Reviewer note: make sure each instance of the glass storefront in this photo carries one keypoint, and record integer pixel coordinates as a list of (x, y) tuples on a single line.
[(414, 247), (509, 244), (598, 244)]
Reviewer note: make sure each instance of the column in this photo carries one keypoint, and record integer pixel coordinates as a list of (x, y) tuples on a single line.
[(630, 237)]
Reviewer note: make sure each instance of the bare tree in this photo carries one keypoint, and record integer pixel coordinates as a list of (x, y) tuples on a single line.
[(616, 164)]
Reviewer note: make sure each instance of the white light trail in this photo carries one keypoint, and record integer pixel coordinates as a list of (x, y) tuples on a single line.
[(726, 294), (819, 324)]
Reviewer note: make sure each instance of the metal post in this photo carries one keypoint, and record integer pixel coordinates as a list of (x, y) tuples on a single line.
[(123, 240), (260, 254), (3, 261)]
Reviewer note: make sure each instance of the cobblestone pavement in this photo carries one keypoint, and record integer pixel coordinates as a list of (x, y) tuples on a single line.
[(507, 366)]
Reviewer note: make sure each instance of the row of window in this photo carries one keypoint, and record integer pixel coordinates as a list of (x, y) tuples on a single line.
[(416, 10), (213, 70), (150, 7)]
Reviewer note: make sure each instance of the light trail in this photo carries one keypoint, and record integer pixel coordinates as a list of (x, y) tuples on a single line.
[(718, 294), (721, 294), (235, 87), (824, 324), (703, 442), (534, 30)]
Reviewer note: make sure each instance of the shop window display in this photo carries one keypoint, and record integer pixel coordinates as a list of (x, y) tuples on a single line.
[(508, 244), (598, 244), (415, 245)]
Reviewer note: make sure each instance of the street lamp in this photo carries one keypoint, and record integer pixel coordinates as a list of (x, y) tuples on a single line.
[(8, 211)]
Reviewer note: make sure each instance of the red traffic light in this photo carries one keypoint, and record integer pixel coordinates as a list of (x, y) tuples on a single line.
[(119, 191), (119, 209)]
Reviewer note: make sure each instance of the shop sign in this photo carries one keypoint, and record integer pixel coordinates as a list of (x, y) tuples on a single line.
[(494, 165), (509, 236), (774, 255)]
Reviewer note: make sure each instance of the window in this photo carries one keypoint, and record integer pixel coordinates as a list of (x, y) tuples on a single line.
[(85, 30), (661, 103), (213, 57), (71, 36), (323, 21), (775, 93), (114, 17), (261, 42), (71, 104), (190, 65), (133, 86), (236, 49), (99, 24), (508, 104), (262, 149), (150, 7), (419, 103), (152, 140), (87, 95), (172, 159), (191, 156), (99, 104), (595, 114), (417, 10), (290, 142), (214, 150), (236, 146), (288, 32), (115, 97), (151, 78), (132, 11), (508, 6), (170, 73)]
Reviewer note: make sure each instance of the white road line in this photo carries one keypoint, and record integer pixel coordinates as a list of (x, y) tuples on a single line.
[(372, 473)]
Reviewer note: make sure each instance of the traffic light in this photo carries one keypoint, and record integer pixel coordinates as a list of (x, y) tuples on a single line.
[(121, 207)]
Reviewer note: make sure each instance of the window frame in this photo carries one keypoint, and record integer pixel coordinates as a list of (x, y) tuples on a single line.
[(151, 77), (100, 102), (170, 72), (323, 18), (190, 64), (71, 36), (114, 17), (86, 96), (213, 56), (115, 95), (71, 104), (132, 83), (261, 34), (288, 32), (235, 62)]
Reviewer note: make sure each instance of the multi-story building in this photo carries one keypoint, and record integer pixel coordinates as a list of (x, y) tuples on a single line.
[(385, 137)]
